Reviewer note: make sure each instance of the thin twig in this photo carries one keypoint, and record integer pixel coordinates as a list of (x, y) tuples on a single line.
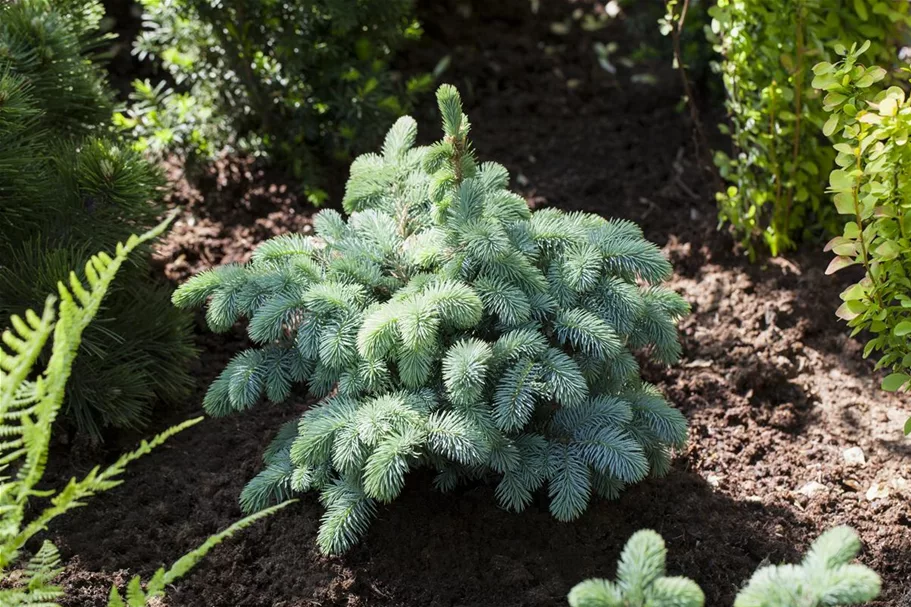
[(798, 109), (700, 141)]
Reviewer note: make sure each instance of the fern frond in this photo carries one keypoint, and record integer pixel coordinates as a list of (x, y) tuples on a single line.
[(31, 426), (25, 345)]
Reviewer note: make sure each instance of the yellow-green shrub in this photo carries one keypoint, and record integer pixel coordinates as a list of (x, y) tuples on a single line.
[(775, 176), (871, 187)]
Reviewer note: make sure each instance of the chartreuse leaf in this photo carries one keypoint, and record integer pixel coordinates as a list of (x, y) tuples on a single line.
[(841, 180), (894, 381), (839, 263)]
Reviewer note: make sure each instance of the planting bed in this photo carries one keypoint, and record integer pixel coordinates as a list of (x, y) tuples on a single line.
[(773, 389)]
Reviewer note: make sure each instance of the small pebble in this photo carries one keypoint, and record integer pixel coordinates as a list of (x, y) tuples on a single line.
[(877, 491), (854, 456), (812, 488)]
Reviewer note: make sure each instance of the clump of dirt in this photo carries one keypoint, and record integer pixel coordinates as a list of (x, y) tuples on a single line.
[(84, 587), (226, 209), (774, 391)]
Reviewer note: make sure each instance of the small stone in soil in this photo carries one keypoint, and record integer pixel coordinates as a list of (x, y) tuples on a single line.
[(854, 456), (812, 488), (877, 491)]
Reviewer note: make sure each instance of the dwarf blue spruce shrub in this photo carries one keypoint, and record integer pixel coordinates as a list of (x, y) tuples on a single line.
[(443, 324)]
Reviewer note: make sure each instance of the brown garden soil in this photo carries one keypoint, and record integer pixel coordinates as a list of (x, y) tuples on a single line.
[(773, 388)]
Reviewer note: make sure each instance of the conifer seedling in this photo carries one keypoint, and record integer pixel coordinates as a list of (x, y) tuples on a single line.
[(825, 578), (640, 580)]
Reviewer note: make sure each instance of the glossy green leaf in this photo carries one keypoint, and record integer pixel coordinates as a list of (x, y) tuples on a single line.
[(841, 180), (854, 292), (830, 125), (888, 250), (894, 381), (844, 312)]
